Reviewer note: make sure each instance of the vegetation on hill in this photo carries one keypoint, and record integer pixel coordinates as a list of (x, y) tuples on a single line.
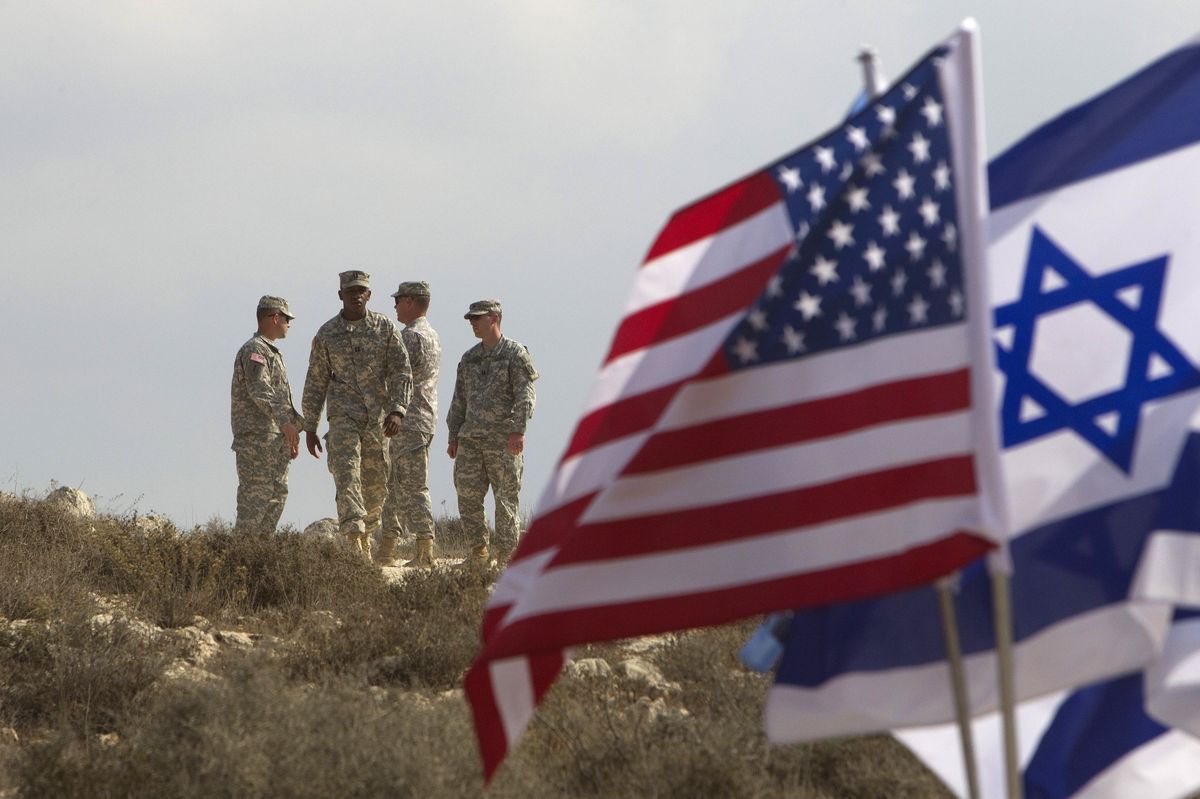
[(139, 662)]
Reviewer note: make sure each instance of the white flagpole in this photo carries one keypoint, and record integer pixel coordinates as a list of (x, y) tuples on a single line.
[(999, 563), (874, 85)]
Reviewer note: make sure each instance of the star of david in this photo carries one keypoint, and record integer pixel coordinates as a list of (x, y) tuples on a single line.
[(1156, 368)]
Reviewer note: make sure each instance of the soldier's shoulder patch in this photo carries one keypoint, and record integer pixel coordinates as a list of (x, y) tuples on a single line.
[(257, 357)]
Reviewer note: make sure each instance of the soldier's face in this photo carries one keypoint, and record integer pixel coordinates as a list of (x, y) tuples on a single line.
[(354, 298), (282, 325), (406, 310)]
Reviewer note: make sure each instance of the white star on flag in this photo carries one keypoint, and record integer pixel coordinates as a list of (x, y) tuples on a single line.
[(930, 212), (809, 305), (889, 220), (824, 270), (932, 111), (874, 256), (816, 196), (915, 246), (839, 234), (860, 290), (918, 310), (746, 350), (793, 340), (845, 325), (904, 184), (790, 176), (824, 156)]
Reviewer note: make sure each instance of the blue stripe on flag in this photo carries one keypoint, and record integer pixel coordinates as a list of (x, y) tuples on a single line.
[(1147, 115)]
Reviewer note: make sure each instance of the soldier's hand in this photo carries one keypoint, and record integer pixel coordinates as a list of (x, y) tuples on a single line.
[(516, 443), (452, 450), (292, 436), (314, 443), (391, 425)]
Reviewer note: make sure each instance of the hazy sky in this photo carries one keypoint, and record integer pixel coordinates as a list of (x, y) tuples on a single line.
[(163, 164)]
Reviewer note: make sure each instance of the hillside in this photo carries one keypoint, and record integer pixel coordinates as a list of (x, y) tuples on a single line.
[(139, 661)]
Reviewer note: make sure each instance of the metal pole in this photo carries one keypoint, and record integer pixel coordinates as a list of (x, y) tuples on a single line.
[(958, 684), (1002, 610), (873, 82)]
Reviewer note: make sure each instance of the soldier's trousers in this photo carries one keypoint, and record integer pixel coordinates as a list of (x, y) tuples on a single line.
[(262, 468), (408, 508), (359, 465), (479, 465)]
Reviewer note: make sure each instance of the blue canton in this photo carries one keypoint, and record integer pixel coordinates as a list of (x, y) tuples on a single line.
[(873, 208), (1156, 368)]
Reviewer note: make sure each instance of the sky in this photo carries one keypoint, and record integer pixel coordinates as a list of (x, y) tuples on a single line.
[(164, 164)]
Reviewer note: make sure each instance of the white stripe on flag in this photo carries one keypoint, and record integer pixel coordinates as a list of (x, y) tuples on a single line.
[(710, 259)]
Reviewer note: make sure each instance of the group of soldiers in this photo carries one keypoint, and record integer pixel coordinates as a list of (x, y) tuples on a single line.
[(379, 385)]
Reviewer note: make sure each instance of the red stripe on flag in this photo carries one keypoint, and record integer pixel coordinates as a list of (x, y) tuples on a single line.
[(821, 418), (695, 309), (543, 668), (913, 567), (621, 418), (742, 519), (701, 219)]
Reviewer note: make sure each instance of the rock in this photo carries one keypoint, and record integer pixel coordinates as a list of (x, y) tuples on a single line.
[(73, 501), (234, 638), (322, 528), (108, 739), (145, 630), (8, 735), (590, 668), (647, 674), (658, 710), (180, 669), (151, 523), (201, 645)]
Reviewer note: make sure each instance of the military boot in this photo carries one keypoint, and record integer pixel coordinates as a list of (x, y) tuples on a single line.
[(356, 540), (424, 558), (386, 554), (479, 559)]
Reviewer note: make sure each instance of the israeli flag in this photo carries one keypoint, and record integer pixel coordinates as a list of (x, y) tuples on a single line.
[(1094, 260)]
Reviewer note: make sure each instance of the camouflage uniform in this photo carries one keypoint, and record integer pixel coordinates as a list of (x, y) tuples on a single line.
[(408, 508), (493, 398), (260, 404), (361, 369)]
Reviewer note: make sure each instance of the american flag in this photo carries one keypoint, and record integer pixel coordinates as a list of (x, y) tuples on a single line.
[(784, 417)]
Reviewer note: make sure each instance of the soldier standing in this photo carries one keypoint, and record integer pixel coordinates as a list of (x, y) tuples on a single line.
[(408, 508), (359, 366), (266, 427), (493, 401)]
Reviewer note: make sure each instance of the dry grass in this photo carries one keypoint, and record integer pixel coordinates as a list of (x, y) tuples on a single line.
[(349, 685)]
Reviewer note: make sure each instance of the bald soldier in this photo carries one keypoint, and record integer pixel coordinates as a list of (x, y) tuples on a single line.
[(266, 427), (408, 509), (358, 365), (493, 402)]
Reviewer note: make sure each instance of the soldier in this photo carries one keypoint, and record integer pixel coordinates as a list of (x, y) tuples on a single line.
[(408, 508), (266, 427), (493, 401), (360, 367)]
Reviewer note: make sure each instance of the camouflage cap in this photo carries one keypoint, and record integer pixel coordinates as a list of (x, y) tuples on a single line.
[(275, 305), (412, 288), (482, 308), (354, 278)]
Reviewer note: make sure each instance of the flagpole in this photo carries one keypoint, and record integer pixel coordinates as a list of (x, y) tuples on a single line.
[(988, 465), (1002, 609), (958, 684), (873, 86)]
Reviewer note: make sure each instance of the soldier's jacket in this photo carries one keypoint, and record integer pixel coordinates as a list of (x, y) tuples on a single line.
[(425, 357), (493, 392), (359, 368), (260, 397)]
